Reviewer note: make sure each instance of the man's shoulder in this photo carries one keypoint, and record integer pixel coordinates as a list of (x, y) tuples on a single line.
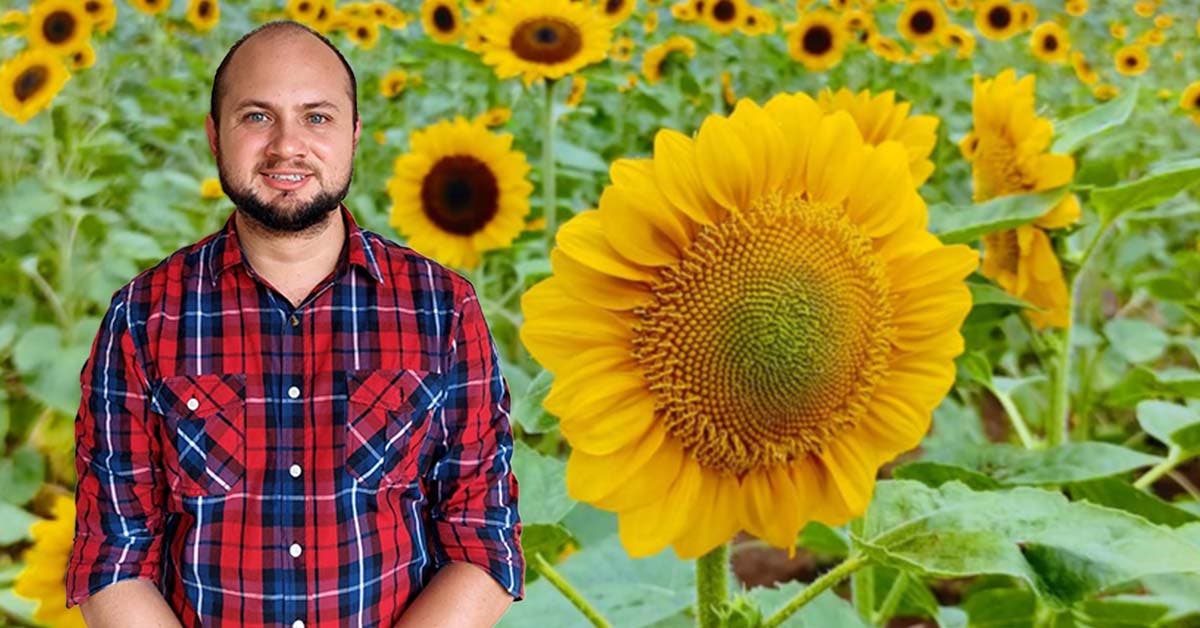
[(402, 267), (152, 282)]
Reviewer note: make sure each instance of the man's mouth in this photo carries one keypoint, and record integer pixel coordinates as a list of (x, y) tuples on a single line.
[(285, 180)]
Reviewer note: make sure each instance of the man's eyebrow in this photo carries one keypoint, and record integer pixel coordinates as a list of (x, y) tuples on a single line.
[(259, 104)]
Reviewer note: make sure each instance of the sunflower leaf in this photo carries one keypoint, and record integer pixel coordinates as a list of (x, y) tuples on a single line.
[(1116, 493), (1074, 131), (991, 294), (543, 492), (1070, 462), (14, 524), (1064, 550), (1170, 423), (1157, 186), (1136, 340), (955, 224)]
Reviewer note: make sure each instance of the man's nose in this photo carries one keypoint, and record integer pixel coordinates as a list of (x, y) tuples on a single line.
[(287, 141)]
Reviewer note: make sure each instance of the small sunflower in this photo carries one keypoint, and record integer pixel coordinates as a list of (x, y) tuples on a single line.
[(364, 32), (389, 15), (1131, 60), (304, 11), (887, 49), (1050, 43), (684, 11), (210, 188), (578, 89), (710, 375), (960, 39), (393, 83), (1152, 37), (1164, 21), (461, 191), (151, 7), (656, 57), (58, 25), (478, 6), (616, 11), (103, 14), (1083, 68), (203, 15), (724, 16), (757, 22), (1076, 8), (29, 81), (1105, 91), (1027, 15), (1190, 99), (881, 119), (817, 40), (996, 20), (727, 92), (1118, 30), (543, 40), (1145, 8), (442, 20), (81, 58), (493, 117), (922, 22), (650, 23), (46, 564), (622, 49), (858, 21)]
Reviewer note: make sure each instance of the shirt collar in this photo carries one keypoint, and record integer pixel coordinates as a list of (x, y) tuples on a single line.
[(226, 252)]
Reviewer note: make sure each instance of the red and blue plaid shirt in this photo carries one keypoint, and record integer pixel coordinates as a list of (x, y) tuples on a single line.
[(271, 465)]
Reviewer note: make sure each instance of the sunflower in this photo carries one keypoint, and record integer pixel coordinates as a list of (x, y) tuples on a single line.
[(1076, 8), (460, 191), (1190, 99), (656, 57), (478, 6), (1010, 156), (1027, 15), (684, 11), (58, 25), (543, 40), (14, 17), (1145, 8), (615, 11), (29, 81), (103, 14), (203, 14), (389, 15), (650, 24), (622, 49), (1105, 91), (727, 93), (45, 565), (1050, 43), (724, 16), (493, 117), (1083, 69), (858, 21), (1118, 30), (442, 20), (303, 11), (710, 375), (817, 40), (881, 119), (886, 48), (757, 22), (1131, 60), (578, 88), (151, 7), (1164, 21), (960, 39), (364, 32), (1152, 37), (996, 20), (922, 22), (393, 83), (210, 188), (81, 58)]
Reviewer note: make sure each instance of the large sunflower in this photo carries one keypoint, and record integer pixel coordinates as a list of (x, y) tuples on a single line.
[(45, 565), (922, 22), (996, 19), (29, 81), (880, 118), (817, 40), (460, 191), (543, 39), (712, 376), (58, 25), (1009, 156), (442, 20)]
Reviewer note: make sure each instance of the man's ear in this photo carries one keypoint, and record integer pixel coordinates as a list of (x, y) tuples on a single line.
[(357, 132), (210, 129)]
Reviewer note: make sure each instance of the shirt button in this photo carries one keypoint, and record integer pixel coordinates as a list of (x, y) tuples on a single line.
[(295, 550), (295, 320), (295, 470), (193, 403), (297, 624), (293, 392)]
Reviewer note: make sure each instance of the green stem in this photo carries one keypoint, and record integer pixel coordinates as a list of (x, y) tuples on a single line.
[(817, 587), (549, 197), (862, 585), (1174, 457), (712, 585), (1015, 417), (543, 568), (892, 601)]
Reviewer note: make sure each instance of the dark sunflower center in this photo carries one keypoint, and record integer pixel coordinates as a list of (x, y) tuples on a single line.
[(546, 40), (1196, 101), (1131, 61), (724, 11), (999, 17), (204, 9), (59, 27), (362, 32), (613, 7), (30, 82), (1050, 43), (922, 22), (92, 7), (460, 194), (443, 19), (304, 7), (817, 40)]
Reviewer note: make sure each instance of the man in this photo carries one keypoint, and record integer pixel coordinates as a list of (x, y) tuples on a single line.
[(293, 422)]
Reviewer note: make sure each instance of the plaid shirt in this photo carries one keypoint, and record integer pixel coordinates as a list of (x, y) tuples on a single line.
[(270, 465)]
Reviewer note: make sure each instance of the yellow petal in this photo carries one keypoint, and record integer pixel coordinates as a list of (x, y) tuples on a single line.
[(879, 201), (635, 178), (771, 506), (652, 483), (726, 168), (596, 288), (1064, 214), (582, 238), (590, 478), (797, 116), (943, 265), (853, 472), (603, 429), (717, 509), (647, 530), (630, 232), (834, 158), (557, 327), (678, 177)]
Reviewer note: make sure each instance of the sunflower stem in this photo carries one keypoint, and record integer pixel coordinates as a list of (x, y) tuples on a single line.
[(817, 587), (892, 601), (712, 585), (549, 197), (545, 570), (862, 585), (1015, 417), (1174, 457)]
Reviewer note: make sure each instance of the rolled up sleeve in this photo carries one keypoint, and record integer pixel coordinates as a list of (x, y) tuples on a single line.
[(472, 486), (120, 492)]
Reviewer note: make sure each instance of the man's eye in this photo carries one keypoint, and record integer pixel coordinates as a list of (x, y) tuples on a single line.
[(317, 118), (255, 116)]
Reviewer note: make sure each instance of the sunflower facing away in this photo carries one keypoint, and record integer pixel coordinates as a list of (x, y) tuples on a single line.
[(543, 39), (880, 118), (45, 564), (460, 191), (58, 25), (710, 375), (655, 58), (29, 81), (1008, 154)]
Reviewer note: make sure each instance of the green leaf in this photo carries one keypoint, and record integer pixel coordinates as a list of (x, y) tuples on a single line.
[(547, 539), (574, 156), (1108, 613), (976, 367), (14, 524), (1116, 493), (1170, 423), (916, 600), (17, 607), (1074, 131), (1159, 185), (954, 224), (989, 294), (1069, 462), (21, 475), (935, 474), (825, 610), (543, 491), (38, 345), (1001, 608), (822, 539), (1136, 340), (1066, 550), (528, 409)]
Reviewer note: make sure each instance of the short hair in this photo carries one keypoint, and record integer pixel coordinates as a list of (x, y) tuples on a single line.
[(271, 27)]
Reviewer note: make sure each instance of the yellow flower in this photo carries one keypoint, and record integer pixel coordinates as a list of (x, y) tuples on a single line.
[(203, 15), (684, 11), (727, 93), (710, 375), (389, 15), (1026, 13), (881, 119), (724, 16), (543, 40), (493, 117), (996, 20), (1010, 156), (960, 39), (58, 25), (380, 138), (1163, 21), (578, 88), (650, 24), (615, 11), (757, 22), (1077, 8), (622, 50), (151, 7), (817, 40), (364, 32), (1190, 99), (393, 83), (1131, 60), (82, 58), (887, 48), (317, 14), (29, 81), (1083, 69), (103, 14), (956, 5), (922, 22), (1050, 43), (46, 565), (211, 188), (1105, 91), (13, 17), (1144, 8), (442, 20), (1164, 94), (1118, 30), (460, 191), (1152, 37), (655, 58), (478, 6)]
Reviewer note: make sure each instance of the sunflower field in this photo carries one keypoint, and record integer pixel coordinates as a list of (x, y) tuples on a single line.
[(814, 313)]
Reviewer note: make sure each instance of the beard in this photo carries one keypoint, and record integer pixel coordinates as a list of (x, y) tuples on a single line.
[(274, 218)]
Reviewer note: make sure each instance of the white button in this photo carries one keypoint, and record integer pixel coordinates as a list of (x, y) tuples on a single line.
[(295, 470), (193, 403), (297, 624), (294, 392), (295, 550)]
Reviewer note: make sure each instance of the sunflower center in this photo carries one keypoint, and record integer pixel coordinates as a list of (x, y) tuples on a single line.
[(546, 40), (204, 9), (999, 17), (30, 82), (59, 27), (92, 7), (817, 40), (1050, 43), (460, 194), (1130, 61), (304, 7), (922, 22), (724, 11), (613, 7), (775, 349), (443, 19)]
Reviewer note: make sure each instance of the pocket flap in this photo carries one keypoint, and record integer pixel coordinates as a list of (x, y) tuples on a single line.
[(394, 390), (198, 396)]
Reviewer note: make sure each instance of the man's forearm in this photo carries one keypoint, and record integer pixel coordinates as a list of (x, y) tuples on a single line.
[(133, 603), (459, 595)]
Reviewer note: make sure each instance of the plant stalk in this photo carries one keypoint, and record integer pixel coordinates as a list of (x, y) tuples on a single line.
[(712, 585), (545, 570), (549, 194), (817, 587)]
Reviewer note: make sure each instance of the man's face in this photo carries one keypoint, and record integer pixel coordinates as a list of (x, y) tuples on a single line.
[(285, 147)]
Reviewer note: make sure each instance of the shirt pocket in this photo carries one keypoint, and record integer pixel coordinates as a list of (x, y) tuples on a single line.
[(205, 418), (388, 415)]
